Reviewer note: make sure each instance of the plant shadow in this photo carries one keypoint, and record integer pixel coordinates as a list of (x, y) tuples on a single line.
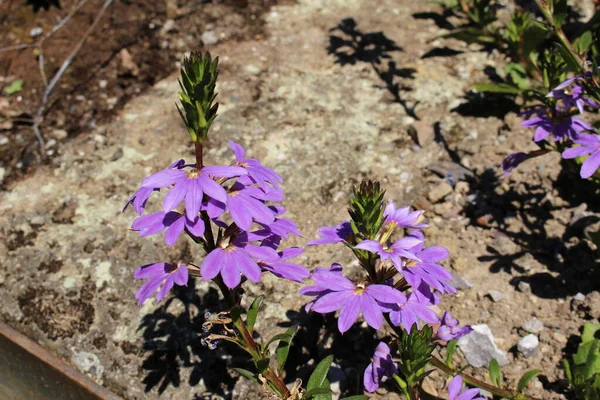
[(570, 262), (374, 48), (172, 340)]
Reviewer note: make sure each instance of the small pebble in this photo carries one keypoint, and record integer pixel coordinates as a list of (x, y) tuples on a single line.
[(579, 297), (35, 32), (524, 287), (209, 38), (534, 325), (102, 83), (528, 346), (496, 295)]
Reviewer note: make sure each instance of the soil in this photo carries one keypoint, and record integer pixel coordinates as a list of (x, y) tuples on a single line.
[(134, 45), (329, 93)]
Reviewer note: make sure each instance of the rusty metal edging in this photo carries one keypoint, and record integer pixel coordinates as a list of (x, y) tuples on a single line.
[(29, 372)]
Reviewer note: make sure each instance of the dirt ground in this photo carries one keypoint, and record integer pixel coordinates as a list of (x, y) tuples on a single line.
[(328, 93)]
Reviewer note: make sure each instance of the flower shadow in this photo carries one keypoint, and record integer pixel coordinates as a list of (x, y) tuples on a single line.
[(354, 46), (555, 262), (172, 341)]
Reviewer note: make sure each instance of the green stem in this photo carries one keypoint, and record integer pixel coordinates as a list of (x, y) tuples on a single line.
[(542, 5)]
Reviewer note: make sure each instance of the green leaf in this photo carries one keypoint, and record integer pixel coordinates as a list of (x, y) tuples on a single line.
[(263, 364), (504, 88), (470, 35), (283, 348), (253, 312), (316, 391), (246, 374), (450, 350), (568, 57), (583, 42), (589, 332), (526, 378), (281, 336), (319, 375), (15, 87), (495, 373)]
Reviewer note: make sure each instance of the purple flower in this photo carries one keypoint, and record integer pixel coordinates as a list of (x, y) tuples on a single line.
[(575, 96), (394, 252), (336, 292), (512, 161), (455, 387), (172, 221), (156, 274), (333, 234), (559, 128), (449, 328), (403, 217), (191, 186), (589, 144), (414, 310), (139, 199), (275, 262), (231, 262), (424, 267), (381, 366), (256, 171), (244, 208)]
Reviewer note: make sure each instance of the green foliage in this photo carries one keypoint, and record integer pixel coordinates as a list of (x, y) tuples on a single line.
[(479, 12), (253, 312), (198, 79), (495, 373), (318, 387), (470, 34), (583, 372), (366, 209), (526, 378), (283, 349), (15, 87), (414, 353)]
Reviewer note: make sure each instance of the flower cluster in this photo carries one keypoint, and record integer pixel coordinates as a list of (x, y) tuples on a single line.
[(403, 280), (238, 200), (557, 126)]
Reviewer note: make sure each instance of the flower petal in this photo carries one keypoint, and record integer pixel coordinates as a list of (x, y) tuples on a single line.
[(590, 165), (371, 311), (164, 178), (213, 263), (331, 302), (349, 313)]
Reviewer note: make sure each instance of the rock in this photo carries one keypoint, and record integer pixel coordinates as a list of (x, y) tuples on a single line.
[(528, 346), (462, 187), (479, 347), (3, 140), (534, 325), (524, 287), (422, 133), (35, 32), (88, 363), (102, 83), (169, 26), (2, 175), (439, 192), (495, 295), (450, 170), (560, 337), (460, 283), (38, 220), (209, 38), (579, 297), (60, 133), (253, 69), (127, 67)]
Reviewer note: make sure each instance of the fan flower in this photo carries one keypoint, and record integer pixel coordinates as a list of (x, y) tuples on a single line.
[(403, 217), (255, 170), (589, 144), (575, 95), (173, 222), (382, 366), (450, 329), (455, 387), (157, 274), (191, 186), (557, 128), (414, 310), (275, 262), (424, 268), (231, 262), (333, 234), (394, 252), (336, 292)]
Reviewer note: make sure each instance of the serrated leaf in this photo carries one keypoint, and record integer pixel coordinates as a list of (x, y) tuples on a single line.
[(589, 332), (253, 312), (319, 375), (283, 349), (495, 373), (504, 88), (246, 374), (15, 87), (526, 378)]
